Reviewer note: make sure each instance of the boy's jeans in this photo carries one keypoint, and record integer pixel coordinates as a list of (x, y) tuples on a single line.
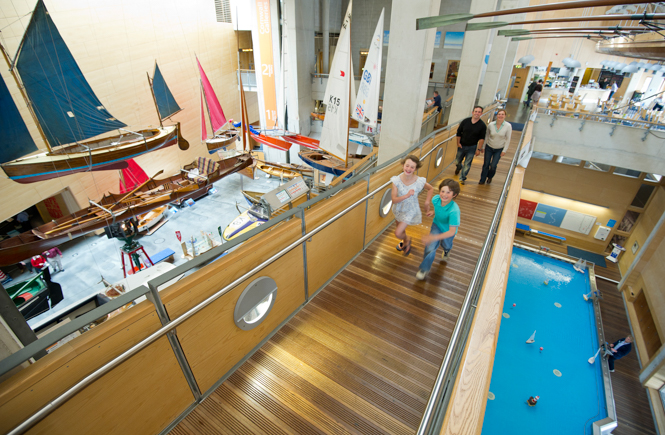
[(430, 250)]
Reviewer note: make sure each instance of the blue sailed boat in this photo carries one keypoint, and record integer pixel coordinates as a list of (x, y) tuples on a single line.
[(67, 113)]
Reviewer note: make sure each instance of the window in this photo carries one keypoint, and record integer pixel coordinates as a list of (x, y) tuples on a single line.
[(542, 156), (626, 224), (568, 161), (597, 166), (626, 172), (653, 177), (642, 196), (223, 11)]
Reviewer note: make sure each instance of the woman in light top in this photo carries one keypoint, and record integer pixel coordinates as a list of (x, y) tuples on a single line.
[(497, 141)]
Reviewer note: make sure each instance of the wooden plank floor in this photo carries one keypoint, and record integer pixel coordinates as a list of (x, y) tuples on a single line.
[(362, 356)]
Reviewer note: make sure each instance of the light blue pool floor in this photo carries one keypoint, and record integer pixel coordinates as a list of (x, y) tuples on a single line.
[(548, 298)]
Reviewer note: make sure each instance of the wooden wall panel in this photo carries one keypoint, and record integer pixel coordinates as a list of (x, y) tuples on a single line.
[(653, 276), (213, 343), (336, 245), (142, 395), (32, 388), (647, 326), (643, 228), (196, 287)]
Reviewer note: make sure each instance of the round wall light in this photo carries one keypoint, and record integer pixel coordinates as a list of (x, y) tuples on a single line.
[(254, 303), (386, 202)]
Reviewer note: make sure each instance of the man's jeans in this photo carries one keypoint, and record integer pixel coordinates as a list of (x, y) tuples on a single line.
[(465, 153)]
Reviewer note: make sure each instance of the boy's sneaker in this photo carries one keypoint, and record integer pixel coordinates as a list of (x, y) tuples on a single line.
[(421, 275), (445, 255)]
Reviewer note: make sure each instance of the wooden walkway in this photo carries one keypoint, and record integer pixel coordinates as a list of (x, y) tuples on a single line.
[(362, 356)]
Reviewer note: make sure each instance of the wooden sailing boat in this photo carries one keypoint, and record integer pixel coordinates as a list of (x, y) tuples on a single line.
[(220, 138), (339, 91), (67, 112)]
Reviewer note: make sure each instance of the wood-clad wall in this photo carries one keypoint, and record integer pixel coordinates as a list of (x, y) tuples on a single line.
[(123, 401), (116, 44), (613, 193)]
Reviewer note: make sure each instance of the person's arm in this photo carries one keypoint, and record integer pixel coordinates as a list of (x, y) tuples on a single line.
[(460, 130), (508, 137), (397, 199), (430, 238), (428, 200)]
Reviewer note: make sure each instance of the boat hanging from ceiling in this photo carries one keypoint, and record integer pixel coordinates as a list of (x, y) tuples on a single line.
[(194, 181), (67, 112), (220, 138)]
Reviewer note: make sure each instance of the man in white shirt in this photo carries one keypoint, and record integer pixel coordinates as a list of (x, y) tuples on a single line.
[(613, 90)]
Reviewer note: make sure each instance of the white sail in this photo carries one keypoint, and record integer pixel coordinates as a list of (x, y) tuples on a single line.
[(337, 96), (366, 108)]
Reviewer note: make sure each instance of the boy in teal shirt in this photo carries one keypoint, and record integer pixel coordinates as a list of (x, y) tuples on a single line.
[(444, 228)]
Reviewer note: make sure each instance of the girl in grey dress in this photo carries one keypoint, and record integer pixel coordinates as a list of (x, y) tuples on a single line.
[(406, 208)]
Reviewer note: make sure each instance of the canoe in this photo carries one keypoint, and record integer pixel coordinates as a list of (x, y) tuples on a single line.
[(221, 140), (282, 170)]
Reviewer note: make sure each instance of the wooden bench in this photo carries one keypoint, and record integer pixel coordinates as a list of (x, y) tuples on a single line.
[(165, 255)]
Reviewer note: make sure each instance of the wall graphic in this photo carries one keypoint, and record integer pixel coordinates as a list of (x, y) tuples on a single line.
[(527, 209), (454, 40), (555, 216)]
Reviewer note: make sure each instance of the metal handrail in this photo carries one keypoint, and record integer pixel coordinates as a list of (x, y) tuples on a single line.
[(608, 118), (172, 324), (435, 401)]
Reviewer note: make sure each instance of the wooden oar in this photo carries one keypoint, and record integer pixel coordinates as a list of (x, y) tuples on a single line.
[(447, 20), (634, 17), (527, 38), (602, 30), (63, 224)]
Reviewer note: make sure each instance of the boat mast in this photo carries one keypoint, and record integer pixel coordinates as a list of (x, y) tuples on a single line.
[(348, 116), (154, 99), (25, 96)]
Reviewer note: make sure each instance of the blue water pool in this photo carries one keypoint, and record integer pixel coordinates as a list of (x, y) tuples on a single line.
[(572, 393)]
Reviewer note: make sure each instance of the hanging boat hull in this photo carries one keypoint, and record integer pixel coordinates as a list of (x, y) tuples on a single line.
[(285, 171), (323, 162), (153, 194), (301, 140), (221, 140), (272, 142), (104, 154)]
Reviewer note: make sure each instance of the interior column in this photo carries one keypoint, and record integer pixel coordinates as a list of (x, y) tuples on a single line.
[(407, 76)]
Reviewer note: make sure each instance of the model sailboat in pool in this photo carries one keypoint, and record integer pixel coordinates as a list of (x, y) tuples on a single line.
[(67, 112), (220, 138)]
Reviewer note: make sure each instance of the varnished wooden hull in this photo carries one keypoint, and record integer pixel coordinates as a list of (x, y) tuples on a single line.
[(282, 171), (153, 194), (221, 140), (104, 154), (323, 162)]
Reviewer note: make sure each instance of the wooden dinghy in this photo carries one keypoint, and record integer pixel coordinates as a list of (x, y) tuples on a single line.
[(148, 220), (284, 170), (144, 198), (68, 113)]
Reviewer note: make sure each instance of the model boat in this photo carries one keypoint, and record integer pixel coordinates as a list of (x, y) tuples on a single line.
[(67, 113), (283, 170), (148, 220), (336, 140), (220, 138), (194, 181)]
